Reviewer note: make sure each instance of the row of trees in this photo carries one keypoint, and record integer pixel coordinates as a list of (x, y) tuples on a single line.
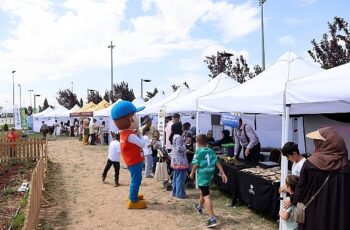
[(331, 51)]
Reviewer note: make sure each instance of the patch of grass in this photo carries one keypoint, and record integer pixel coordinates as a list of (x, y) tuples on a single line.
[(18, 221), (8, 191), (61, 218)]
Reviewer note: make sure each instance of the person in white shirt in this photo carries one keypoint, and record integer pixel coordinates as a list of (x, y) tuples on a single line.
[(113, 159), (291, 151), (147, 152)]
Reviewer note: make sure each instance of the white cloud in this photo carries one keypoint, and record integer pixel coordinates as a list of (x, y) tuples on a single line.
[(51, 40), (287, 40), (233, 20), (306, 2)]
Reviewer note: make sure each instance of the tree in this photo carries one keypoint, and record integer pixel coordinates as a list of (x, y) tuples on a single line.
[(175, 87), (149, 95), (106, 96), (122, 91), (186, 84), (95, 97), (30, 110), (239, 70), (221, 63), (333, 49), (46, 104), (81, 102), (41, 109), (67, 98)]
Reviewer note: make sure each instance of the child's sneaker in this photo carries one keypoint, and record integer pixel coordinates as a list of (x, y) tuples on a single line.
[(212, 223), (199, 210)]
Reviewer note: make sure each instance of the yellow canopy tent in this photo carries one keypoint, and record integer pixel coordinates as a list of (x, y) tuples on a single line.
[(86, 111)]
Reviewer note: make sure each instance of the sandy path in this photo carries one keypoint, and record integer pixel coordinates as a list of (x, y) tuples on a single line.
[(90, 204), (94, 205)]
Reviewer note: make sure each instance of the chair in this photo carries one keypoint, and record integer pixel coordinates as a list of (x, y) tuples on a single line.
[(275, 155)]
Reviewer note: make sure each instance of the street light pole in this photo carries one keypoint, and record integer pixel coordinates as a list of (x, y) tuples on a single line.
[(261, 4), (13, 88), (35, 95), (30, 96), (20, 95), (143, 80), (111, 46)]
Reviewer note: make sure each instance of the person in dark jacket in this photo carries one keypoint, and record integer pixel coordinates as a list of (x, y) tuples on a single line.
[(326, 171), (225, 139)]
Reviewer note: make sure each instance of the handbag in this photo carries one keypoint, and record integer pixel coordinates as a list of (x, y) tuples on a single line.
[(161, 172), (299, 212)]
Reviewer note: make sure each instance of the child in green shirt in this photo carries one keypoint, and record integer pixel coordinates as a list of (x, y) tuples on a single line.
[(204, 162)]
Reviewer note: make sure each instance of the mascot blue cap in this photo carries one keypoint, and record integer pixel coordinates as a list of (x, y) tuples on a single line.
[(124, 108)]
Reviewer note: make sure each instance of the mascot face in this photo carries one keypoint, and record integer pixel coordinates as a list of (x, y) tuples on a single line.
[(124, 115)]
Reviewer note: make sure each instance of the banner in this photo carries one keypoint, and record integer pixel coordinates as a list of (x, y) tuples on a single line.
[(23, 118), (230, 120), (17, 117), (29, 124), (161, 124)]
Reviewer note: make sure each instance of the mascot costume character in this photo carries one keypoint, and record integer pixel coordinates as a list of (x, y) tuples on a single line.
[(131, 144)]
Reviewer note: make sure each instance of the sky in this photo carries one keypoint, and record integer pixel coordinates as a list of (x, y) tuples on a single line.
[(63, 44)]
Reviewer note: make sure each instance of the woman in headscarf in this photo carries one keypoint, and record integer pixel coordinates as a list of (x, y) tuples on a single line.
[(179, 161), (329, 208)]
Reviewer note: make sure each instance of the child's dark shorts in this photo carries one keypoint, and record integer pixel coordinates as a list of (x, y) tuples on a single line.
[(204, 190)]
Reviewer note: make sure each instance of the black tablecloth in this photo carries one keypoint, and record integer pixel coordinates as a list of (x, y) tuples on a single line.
[(256, 192)]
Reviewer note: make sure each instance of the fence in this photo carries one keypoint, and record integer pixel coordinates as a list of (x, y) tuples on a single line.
[(34, 200), (24, 149)]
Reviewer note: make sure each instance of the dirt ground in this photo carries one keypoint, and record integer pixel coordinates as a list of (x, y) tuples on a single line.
[(82, 201)]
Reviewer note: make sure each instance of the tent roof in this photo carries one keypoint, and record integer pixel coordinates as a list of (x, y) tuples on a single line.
[(102, 105), (138, 101), (157, 98), (75, 108), (188, 103), (154, 108), (106, 111), (59, 110), (324, 92), (42, 113), (264, 93)]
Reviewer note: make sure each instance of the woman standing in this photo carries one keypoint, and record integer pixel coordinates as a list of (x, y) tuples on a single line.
[(156, 144), (178, 161), (326, 177)]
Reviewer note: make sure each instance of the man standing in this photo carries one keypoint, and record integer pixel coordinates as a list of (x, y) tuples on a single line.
[(147, 122), (245, 136), (44, 129)]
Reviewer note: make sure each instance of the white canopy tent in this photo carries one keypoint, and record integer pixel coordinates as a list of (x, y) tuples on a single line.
[(138, 101), (157, 98), (189, 102), (154, 108), (38, 118), (58, 112), (324, 92), (265, 92)]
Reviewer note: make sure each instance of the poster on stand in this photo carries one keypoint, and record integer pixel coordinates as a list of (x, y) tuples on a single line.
[(30, 124), (161, 124), (23, 118), (17, 117)]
